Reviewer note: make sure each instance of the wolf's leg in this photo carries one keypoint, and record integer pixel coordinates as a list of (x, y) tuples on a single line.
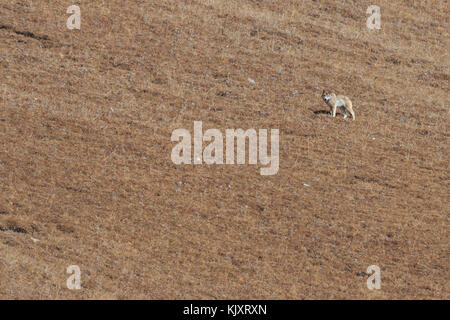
[(344, 112), (333, 113), (350, 109)]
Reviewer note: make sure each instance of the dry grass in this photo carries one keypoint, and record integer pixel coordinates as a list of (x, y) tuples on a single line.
[(85, 125)]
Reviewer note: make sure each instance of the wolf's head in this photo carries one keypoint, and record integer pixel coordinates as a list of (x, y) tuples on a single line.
[(326, 95)]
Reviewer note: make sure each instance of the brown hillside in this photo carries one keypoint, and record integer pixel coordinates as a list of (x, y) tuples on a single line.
[(86, 118)]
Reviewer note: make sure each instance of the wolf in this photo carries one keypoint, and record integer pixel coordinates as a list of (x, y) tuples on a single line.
[(338, 100)]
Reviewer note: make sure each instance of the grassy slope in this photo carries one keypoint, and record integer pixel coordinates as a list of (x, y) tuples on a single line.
[(85, 125)]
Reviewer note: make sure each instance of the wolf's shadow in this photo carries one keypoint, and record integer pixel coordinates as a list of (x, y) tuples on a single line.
[(322, 112)]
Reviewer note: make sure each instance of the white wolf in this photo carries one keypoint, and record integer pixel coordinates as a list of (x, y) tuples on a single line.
[(334, 101)]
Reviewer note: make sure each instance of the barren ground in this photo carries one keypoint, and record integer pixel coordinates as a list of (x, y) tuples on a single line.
[(86, 118)]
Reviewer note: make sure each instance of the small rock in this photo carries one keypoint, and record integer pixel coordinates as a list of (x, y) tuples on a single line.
[(251, 80), (35, 240)]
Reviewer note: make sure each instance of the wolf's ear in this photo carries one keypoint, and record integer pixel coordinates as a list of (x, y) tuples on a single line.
[(323, 91)]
